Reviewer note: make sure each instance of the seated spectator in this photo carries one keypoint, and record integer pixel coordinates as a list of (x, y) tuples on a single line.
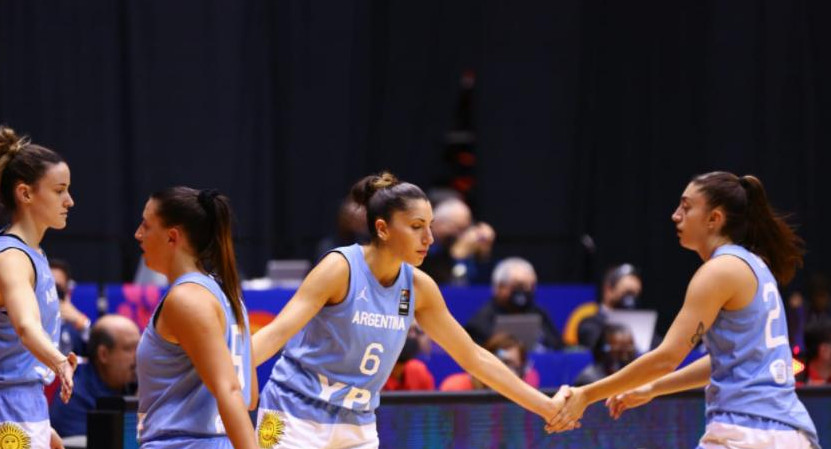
[(410, 373), (818, 353), (620, 290), (350, 228), (512, 353), (513, 284), (111, 371), (611, 353), (74, 324), (819, 300), (462, 250)]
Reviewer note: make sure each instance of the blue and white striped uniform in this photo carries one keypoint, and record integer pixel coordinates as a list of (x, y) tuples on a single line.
[(752, 381), (325, 386), (24, 413), (175, 408)]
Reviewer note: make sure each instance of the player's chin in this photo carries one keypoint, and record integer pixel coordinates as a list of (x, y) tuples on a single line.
[(417, 259), (59, 223)]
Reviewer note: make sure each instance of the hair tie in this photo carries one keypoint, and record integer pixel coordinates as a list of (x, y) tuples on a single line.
[(206, 200)]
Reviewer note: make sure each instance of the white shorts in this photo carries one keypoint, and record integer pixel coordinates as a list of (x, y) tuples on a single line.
[(34, 435), (278, 430), (731, 436)]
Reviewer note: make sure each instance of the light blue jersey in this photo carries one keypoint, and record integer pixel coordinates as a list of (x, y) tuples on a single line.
[(340, 360), (175, 407), (752, 368), (17, 364)]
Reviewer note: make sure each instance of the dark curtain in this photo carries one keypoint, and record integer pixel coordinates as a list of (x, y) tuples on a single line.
[(589, 117)]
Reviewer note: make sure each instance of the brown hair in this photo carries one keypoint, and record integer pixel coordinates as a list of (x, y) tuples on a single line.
[(751, 221), (383, 194), (21, 161), (205, 216)]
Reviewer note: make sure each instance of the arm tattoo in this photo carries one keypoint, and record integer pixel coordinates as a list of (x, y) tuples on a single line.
[(699, 332)]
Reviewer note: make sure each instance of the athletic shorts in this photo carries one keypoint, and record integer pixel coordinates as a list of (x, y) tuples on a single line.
[(733, 431), (289, 420), (24, 417)]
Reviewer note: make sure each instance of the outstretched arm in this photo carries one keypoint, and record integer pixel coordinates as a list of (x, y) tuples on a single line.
[(18, 297), (714, 284), (433, 316), (328, 282), (187, 320), (694, 375)]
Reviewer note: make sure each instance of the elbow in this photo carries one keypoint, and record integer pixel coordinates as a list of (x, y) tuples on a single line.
[(666, 360)]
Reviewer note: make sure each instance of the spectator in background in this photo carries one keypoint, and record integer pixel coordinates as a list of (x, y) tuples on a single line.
[(513, 283), (818, 351), (612, 352), (510, 351), (410, 373), (110, 371), (74, 324), (350, 228), (620, 290), (462, 249), (819, 300)]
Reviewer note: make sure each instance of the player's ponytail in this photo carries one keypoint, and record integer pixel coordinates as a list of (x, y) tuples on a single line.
[(751, 222), (205, 216), (381, 195)]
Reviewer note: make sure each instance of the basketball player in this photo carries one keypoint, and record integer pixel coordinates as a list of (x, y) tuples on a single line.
[(733, 304), (345, 326), (194, 367), (34, 189)]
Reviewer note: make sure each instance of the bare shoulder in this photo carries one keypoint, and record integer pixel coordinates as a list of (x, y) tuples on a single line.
[(15, 265), (426, 289), (190, 301), (726, 269)]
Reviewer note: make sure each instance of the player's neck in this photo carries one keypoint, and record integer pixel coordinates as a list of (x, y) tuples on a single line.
[(383, 264), (181, 265), (28, 231), (711, 245)]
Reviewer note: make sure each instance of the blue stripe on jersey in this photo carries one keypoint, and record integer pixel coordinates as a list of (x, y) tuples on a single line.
[(173, 401), (17, 364), (345, 354), (752, 369)]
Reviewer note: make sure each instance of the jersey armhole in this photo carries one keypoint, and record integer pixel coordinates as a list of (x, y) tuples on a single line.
[(348, 278)]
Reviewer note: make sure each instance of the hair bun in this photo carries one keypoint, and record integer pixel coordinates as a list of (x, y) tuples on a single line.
[(363, 190), (10, 142)]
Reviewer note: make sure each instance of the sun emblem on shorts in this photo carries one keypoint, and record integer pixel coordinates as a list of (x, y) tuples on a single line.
[(12, 436), (270, 431)]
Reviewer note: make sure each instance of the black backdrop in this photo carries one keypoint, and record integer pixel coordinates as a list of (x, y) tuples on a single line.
[(590, 116)]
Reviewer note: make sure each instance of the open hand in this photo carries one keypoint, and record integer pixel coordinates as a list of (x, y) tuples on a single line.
[(65, 370), (633, 398)]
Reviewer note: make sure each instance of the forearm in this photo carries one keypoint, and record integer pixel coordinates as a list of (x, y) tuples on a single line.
[(694, 375), (235, 418), (265, 343), (36, 341), (644, 369), (491, 371)]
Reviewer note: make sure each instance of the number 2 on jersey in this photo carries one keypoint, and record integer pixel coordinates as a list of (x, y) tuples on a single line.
[(770, 293)]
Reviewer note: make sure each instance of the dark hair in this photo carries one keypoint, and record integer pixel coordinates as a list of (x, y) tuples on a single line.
[(21, 161), (98, 336), (504, 341), (601, 346), (383, 194), (616, 273), (815, 335), (205, 216), (60, 264), (751, 222)]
